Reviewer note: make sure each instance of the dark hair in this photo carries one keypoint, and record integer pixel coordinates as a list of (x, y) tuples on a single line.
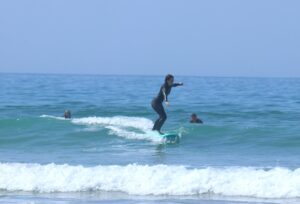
[(194, 115), (169, 76)]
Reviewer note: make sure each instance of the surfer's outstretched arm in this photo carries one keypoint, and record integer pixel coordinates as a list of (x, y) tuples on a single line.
[(177, 84), (166, 90)]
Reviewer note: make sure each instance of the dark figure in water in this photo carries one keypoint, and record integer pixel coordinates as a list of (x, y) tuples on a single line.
[(67, 114), (157, 102), (195, 119)]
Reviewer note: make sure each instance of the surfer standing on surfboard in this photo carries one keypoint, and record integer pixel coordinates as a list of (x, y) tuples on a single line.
[(157, 102)]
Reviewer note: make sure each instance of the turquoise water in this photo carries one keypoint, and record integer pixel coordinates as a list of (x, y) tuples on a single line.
[(246, 150)]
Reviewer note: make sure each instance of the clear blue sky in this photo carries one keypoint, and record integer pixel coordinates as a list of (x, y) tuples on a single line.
[(184, 37)]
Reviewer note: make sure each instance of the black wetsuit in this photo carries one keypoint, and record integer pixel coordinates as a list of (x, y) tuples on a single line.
[(157, 105), (196, 121)]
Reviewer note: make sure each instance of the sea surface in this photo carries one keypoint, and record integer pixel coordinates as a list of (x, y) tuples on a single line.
[(247, 150)]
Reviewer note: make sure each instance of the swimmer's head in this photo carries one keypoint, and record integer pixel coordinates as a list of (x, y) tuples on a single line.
[(194, 116)]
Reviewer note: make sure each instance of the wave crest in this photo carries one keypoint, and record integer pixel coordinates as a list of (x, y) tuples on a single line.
[(151, 180)]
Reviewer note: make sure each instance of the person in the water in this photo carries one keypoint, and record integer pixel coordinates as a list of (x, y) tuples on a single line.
[(157, 102), (67, 114), (195, 119)]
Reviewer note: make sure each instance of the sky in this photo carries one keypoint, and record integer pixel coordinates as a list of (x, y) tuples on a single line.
[(252, 38)]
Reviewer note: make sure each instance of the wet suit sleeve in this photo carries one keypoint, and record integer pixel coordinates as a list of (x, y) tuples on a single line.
[(177, 84)]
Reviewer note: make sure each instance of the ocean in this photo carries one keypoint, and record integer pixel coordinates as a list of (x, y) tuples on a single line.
[(247, 150)]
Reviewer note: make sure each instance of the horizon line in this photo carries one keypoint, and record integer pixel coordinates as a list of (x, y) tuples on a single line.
[(147, 75)]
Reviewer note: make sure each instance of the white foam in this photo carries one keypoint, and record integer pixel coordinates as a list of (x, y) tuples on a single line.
[(146, 135), (119, 121), (151, 180), (123, 126), (128, 127), (53, 117)]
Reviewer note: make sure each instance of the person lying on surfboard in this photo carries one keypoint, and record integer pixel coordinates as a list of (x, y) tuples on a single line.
[(157, 102)]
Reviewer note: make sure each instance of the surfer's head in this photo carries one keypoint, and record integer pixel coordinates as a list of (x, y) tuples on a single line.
[(169, 79)]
